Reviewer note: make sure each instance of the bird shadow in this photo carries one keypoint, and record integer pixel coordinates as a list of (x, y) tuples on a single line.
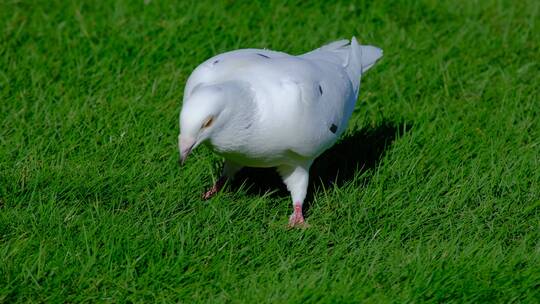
[(353, 154)]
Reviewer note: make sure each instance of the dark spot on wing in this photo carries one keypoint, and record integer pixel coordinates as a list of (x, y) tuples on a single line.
[(262, 55), (333, 128), (215, 62), (320, 89), (248, 126)]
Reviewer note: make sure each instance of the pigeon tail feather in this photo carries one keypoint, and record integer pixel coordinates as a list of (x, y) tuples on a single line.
[(355, 58), (362, 58)]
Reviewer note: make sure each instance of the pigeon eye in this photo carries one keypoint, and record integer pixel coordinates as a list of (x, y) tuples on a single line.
[(208, 122)]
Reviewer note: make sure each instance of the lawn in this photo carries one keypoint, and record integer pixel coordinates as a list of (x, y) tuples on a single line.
[(432, 195)]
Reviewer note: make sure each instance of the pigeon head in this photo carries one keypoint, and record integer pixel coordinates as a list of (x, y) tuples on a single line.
[(202, 115)]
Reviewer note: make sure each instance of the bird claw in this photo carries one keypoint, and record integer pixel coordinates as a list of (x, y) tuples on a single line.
[(215, 188), (297, 218)]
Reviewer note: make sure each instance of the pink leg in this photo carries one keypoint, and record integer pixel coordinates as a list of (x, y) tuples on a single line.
[(297, 218), (215, 188)]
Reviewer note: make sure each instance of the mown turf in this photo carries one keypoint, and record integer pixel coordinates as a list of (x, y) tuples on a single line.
[(433, 195)]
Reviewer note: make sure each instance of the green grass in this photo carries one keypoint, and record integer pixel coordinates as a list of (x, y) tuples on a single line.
[(443, 207)]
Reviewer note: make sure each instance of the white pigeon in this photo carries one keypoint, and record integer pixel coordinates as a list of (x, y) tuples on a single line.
[(261, 108)]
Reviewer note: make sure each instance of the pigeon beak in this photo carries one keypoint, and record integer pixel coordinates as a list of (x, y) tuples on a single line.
[(186, 145)]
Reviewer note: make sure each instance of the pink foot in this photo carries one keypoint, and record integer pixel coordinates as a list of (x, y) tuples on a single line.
[(297, 218), (215, 188)]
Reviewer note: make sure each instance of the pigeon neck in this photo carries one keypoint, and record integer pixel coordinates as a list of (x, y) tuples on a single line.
[(240, 112)]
